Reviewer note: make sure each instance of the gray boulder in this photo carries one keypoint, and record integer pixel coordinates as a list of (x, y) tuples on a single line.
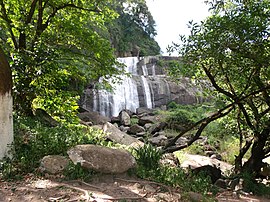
[(195, 161), (53, 164), (213, 172), (160, 140), (134, 129), (124, 118), (46, 118), (124, 129), (147, 126), (143, 111), (116, 135), (157, 127), (93, 117), (147, 119), (181, 141), (102, 159)]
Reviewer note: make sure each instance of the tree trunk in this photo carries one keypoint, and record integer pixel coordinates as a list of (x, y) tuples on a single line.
[(254, 163), (6, 120)]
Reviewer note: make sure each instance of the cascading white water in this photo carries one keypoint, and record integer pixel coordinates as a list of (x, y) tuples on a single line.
[(153, 70), (124, 95), (131, 64), (147, 92), (145, 71), (147, 86)]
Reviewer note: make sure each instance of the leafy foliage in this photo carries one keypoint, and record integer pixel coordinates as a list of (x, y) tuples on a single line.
[(55, 48), (148, 156), (74, 172), (187, 114), (132, 33), (231, 50), (33, 141), (177, 177)]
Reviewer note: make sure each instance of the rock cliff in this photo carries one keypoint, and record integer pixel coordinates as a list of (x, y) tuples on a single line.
[(148, 86)]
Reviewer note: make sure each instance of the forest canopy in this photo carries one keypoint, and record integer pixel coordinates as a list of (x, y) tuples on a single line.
[(57, 47), (231, 50)]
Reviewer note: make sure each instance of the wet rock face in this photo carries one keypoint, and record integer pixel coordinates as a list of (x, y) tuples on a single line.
[(147, 87)]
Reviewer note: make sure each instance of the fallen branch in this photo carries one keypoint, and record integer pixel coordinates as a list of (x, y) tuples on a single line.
[(85, 183)]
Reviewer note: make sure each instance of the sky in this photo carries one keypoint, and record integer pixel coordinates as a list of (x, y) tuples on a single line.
[(172, 17)]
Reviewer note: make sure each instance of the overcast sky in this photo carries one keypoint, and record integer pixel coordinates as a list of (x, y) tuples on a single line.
[(172, 17)]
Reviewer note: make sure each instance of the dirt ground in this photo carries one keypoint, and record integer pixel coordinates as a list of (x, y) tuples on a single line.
[(103, 188)]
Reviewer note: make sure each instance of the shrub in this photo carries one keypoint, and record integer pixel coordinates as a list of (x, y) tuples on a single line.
[(33, 140), (148, 156)]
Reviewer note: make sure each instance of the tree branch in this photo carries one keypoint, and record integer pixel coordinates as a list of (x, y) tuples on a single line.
[(22, 37), (55, 10), (206, 121), (247, 118), (202, 122), (8, 22), (169, 146), (214, 83), (31, 12), (227, 78), (242, 152), (41, 27)]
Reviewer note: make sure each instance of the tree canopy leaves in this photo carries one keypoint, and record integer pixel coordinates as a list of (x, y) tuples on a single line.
[(231, 49), (57, 46), (132, 33)]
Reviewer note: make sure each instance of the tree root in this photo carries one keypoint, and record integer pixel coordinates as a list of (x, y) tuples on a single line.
[(85, 192), (147, 182)]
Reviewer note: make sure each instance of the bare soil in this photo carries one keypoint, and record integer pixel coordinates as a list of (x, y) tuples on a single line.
[(103, 188)]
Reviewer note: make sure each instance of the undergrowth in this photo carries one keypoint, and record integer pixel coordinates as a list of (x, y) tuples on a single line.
[(33, 140), (149, 167)]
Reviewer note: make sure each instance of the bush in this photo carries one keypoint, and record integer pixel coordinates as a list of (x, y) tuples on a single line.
[(148, 156), (185, 115), (33, 140)]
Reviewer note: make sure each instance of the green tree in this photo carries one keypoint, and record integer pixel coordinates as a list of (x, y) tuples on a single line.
[(132, 33), (53, 44), (231, 49)]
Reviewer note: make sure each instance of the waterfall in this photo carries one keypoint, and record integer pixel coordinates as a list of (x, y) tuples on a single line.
[(153, 70), (124, 95), (147, 86), (145, 71), (147, 93)]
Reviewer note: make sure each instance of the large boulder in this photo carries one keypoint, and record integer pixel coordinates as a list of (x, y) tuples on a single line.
[(124, 118), (147, 119), (53, 164), (196, 161), (143, 111), (102, 159), (93, 117), (44, 117), (159, 140), (157, 127), (116, 135), (213, 172), (134, 129)]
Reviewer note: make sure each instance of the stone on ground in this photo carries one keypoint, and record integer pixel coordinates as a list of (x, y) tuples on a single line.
[(116, 135), (102, 159), (53, 164)]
